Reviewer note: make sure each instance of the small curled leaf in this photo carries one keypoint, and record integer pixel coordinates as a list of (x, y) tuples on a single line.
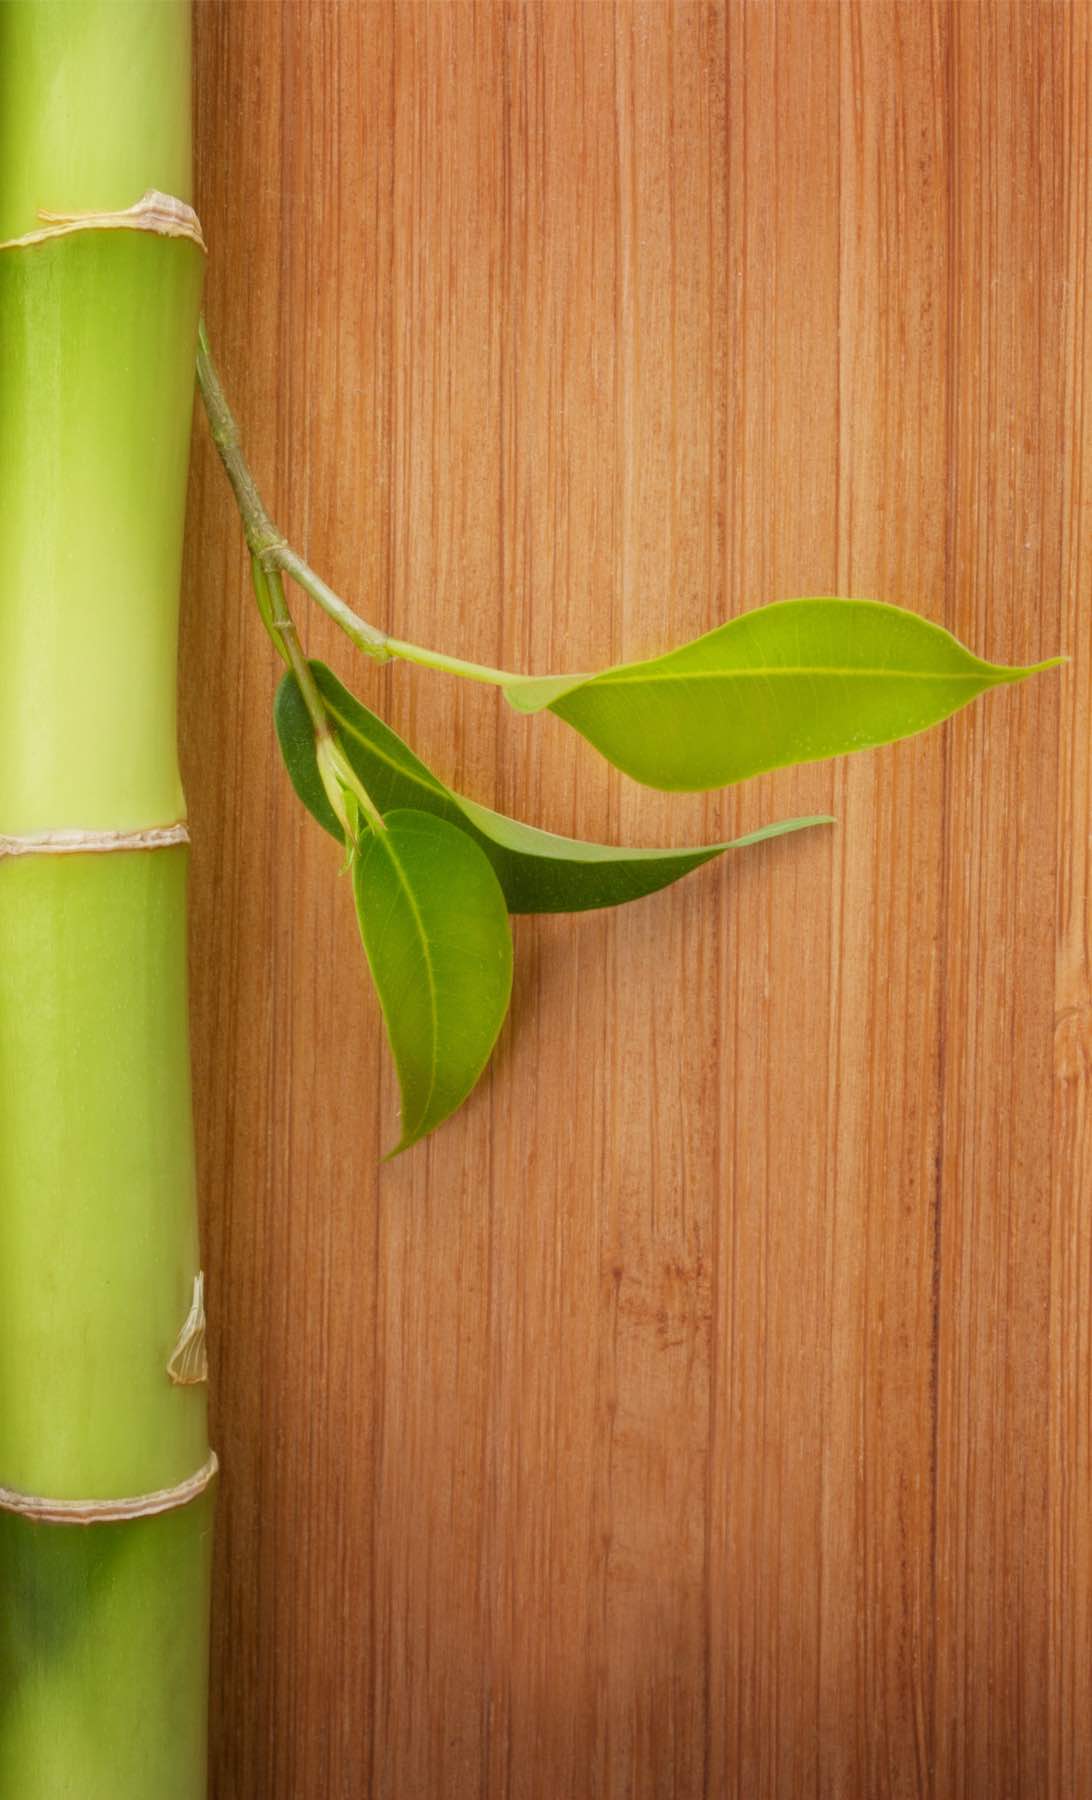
[(435, 930), (793, 682), (538, 870)]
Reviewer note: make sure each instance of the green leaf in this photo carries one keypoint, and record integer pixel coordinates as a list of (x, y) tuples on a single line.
[(789, 683), (538, 871), (435, 929)]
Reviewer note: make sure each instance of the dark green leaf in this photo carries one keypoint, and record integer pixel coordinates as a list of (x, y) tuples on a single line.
[(788, 683), (538, 871), (436, 932)]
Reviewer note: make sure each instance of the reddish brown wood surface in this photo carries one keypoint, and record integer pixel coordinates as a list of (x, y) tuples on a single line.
[(707, 1411)]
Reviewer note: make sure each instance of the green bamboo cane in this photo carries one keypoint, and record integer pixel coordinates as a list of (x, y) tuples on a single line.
[(105, 1469)]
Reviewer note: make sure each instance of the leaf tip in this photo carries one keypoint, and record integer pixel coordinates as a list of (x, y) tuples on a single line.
[(405, 1142), (1020, 672)]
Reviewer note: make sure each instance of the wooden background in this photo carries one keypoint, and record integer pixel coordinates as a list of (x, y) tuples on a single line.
[(705, 1412)]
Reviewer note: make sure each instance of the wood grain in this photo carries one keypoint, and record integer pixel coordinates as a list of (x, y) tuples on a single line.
[(707, 1411)]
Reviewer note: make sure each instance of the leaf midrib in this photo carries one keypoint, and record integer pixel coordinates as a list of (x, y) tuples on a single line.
[(647, 679), (415, 910), (432, 786)]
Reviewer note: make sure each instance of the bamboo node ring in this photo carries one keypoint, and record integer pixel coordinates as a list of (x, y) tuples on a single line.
[(163, 214), (75, 843), (109, 1512)]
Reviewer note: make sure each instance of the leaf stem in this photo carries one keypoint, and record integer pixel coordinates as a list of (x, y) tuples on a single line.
[(272, 552), (448, 665), (374, 643)]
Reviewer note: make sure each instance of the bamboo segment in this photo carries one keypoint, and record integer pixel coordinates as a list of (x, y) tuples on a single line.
[(103, 1625), (96, 395), (96, 1173), (95, 105)]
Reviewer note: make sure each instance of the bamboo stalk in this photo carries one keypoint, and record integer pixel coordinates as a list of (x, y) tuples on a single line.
[(105, 1469)]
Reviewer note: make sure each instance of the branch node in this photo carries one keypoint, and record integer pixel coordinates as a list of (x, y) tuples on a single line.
[(269, 552)]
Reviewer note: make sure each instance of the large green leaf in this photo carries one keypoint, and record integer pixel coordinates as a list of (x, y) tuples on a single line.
[(538, 871), (789, 683), (436, 933)]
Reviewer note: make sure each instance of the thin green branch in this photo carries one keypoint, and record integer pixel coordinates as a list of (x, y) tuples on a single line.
[(279, 623), (262, 595), (261, 534), (374, 643), (270, 549), (268, 554)]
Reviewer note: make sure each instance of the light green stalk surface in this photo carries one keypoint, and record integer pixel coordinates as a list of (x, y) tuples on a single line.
[(96, 105), (103, 1627), (96, 395), (96, 1171), (102, 1693)]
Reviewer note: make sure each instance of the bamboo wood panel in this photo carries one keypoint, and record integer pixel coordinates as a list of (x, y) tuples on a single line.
[(707, 1411)]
